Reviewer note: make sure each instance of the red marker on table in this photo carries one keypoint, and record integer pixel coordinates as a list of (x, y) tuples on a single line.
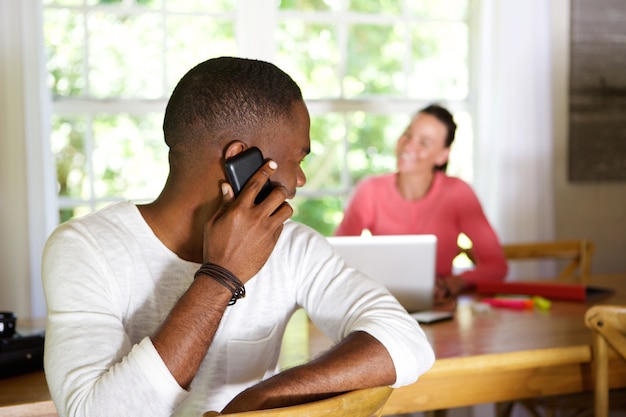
[(514, 303)]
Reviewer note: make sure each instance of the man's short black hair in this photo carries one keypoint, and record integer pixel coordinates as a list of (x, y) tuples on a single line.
[(227, 94)]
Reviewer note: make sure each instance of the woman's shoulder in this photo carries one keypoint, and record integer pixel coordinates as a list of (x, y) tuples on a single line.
[(449, 181), (452, 185)]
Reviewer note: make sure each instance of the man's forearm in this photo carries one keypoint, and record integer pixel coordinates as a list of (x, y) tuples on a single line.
[(359, 361), (185, 336)]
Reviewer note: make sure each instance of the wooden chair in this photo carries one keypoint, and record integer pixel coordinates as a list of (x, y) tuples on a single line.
[(366, 402), (35, 409), (609, 329), (578, 253)]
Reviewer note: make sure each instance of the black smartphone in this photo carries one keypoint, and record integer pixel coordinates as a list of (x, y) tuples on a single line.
[(240, 168)]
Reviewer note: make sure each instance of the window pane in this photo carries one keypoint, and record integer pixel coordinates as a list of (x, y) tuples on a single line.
[(203, 6), (310, 55), (146, 3), (310, 5), (129, 156), (322, 214), (438, 9), (376, 6), (374, 64), (102, 2), (63, 2), (372, 143), (212, 37), (67, 141), (439, 69), (125, 55), (323, 167), (150, 3), (67, 213), (63, 34)]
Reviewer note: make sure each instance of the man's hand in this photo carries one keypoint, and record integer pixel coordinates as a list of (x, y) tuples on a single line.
[(241, 235)]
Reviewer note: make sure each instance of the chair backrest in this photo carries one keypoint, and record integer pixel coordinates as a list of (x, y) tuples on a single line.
[(577, 252), (35, 409), (366, 402), (609, 328)]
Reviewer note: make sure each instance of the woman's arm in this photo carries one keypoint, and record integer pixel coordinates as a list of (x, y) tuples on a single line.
[(489, 259)]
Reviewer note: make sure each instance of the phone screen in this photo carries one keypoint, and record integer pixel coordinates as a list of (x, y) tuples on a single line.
[(241, 167)]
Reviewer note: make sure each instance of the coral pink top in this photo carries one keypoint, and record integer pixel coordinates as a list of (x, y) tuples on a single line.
[(450, 207)]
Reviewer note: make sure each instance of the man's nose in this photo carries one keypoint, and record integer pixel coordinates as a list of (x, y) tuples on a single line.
[(300, 178)]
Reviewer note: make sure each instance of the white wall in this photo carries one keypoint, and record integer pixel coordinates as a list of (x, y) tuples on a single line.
[(27, 212), (14, 268), (596, 211)]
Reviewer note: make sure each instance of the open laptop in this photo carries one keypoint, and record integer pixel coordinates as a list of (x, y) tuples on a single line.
[(405, 264)]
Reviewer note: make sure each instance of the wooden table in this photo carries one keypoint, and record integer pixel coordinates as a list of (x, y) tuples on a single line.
[(482, 357), (502, 355), (26, 394)]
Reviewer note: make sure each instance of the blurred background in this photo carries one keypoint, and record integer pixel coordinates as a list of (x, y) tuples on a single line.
[(84, 84)]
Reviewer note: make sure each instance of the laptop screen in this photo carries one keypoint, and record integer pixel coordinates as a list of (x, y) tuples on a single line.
[(405, 264)]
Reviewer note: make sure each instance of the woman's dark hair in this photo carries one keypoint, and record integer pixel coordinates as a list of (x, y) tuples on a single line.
[(226, 95), (445, 117)]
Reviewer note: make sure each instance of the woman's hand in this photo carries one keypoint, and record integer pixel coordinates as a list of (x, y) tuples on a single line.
[(447, 290)]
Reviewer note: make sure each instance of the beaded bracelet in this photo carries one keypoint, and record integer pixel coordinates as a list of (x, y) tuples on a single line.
[(224, 277)]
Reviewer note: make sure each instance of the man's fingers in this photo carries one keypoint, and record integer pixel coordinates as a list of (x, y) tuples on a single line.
[(228, 196), (257, 181)]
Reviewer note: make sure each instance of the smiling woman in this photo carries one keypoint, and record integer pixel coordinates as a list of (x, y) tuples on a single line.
[(420, 199)]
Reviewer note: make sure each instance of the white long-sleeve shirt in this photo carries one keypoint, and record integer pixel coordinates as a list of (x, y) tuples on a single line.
[(109, 283)]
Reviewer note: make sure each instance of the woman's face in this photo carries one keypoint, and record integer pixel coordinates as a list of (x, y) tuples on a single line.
[(422, 145)]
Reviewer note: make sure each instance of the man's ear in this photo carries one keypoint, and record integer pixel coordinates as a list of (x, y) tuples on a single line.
[(234, 148)]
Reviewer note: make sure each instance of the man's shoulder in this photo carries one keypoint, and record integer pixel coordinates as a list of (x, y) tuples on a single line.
[(294, 231), (115, 216), (300, 238)]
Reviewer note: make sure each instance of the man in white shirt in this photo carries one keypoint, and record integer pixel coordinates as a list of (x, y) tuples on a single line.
[(146, 314)]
